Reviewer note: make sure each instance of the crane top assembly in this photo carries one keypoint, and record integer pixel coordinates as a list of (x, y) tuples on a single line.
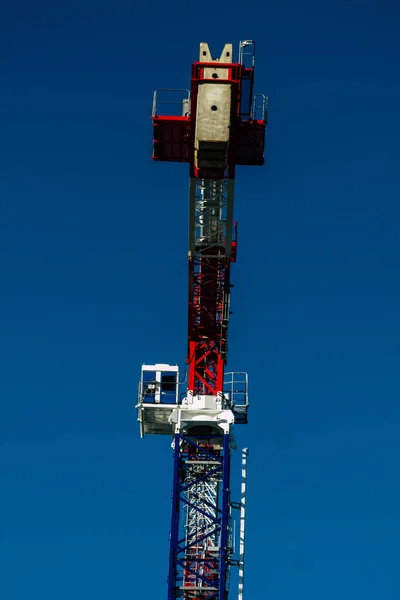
[(221, 125)]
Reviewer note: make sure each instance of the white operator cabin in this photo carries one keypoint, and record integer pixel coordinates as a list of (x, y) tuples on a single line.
[(161, 410), (158, 396)]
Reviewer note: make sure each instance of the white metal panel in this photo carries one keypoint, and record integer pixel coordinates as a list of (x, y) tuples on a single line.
[(160, 367), (187, 416)]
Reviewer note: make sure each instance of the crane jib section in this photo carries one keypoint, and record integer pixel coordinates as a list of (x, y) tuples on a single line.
[(211, 251)]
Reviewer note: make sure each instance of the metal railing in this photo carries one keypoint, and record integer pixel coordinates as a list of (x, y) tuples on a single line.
[(184, 102), (251, 53), (260, 107), (236, 391)]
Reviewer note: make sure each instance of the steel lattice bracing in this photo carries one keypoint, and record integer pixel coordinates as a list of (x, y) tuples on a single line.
[(218, 126), (210, 255), (199, 545)]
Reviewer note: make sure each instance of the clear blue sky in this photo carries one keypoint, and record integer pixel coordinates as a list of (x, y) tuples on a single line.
[(93, 242)]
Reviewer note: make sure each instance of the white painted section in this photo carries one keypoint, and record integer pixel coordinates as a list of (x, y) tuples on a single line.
[(204, 402), (161, 367), (190, 414)]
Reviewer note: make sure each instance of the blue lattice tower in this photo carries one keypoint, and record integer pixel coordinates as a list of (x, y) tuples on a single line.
[(200, 545)]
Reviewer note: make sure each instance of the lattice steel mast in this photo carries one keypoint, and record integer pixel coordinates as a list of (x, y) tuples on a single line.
[(222, 125)]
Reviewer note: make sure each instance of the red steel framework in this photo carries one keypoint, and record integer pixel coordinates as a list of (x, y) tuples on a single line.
[(210, 254), (212, 235)]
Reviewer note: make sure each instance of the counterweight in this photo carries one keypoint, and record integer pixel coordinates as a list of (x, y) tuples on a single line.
[(221, 125)]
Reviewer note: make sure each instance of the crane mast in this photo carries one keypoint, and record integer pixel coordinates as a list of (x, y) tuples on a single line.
[(221, 125)]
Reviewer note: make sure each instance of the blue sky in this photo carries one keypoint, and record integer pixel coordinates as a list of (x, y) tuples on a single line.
[(93, 246)]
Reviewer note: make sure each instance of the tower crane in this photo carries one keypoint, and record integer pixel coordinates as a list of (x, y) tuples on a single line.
[(221, 125)]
